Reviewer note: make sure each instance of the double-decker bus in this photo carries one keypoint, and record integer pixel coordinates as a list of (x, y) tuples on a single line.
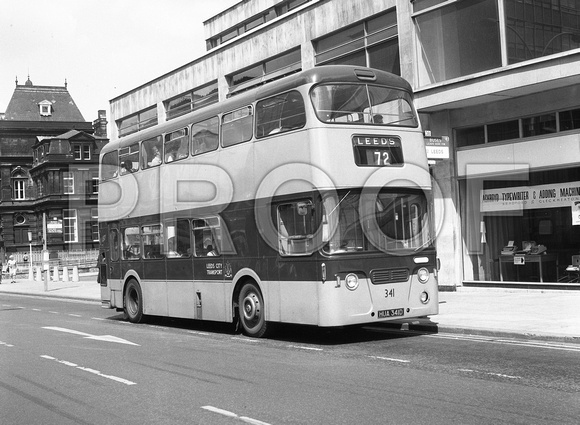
[(306, 200)]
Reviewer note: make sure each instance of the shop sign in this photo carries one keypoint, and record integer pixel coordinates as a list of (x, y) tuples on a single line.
[(54, 226), (555, 195), (437, 147)]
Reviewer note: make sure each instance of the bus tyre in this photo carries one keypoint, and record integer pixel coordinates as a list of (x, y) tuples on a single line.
[(251, 306), (133, 309)]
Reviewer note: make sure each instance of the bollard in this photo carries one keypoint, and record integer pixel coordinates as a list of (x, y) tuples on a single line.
[(30, 272), (38, 274), (55, 274), (65, 274), (75, 274)]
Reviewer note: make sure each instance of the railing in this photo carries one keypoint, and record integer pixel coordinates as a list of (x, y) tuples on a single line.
[(85, 260)]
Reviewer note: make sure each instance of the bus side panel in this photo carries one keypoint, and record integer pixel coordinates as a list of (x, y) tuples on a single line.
[(181, 299), (154, 297)]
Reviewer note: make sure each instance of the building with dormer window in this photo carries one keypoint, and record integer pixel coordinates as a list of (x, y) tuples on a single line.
[(48, 173)]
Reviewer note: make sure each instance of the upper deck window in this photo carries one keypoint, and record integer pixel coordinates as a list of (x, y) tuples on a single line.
[(176, 145), (204, 136), (237, 126), (283, 112), (110, 165), (363, 104)]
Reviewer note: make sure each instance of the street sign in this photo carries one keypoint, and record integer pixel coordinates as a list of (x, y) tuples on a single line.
[(437, 147)]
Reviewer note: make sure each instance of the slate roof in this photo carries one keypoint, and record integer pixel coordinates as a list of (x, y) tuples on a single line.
[(24, 104)]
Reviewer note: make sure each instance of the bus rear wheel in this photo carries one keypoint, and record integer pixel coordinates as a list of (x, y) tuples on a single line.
[(133, 305), (251, 311)]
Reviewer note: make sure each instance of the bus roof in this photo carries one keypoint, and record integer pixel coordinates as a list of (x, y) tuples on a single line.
[(322, 74)]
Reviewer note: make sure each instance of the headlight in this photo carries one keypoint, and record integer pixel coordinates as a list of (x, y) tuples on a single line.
[(351, 281), (423, 275)]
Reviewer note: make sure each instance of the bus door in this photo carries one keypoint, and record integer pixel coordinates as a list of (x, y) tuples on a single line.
[(109, 263), (208, 268)]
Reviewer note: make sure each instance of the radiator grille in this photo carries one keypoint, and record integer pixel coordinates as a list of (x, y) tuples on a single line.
[(382, 276)]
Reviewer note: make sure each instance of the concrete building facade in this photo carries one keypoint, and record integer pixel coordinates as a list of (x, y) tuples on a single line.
[(497, 82)]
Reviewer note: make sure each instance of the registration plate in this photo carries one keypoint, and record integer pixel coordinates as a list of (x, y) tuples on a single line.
[(383, 314)]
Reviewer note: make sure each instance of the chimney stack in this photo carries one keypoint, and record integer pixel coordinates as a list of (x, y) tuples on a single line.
[(100, 124)]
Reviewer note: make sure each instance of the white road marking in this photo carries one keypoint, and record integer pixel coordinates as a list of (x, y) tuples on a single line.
[(36, 309), (500, 375), (301, 347), (75, 315), (234, 415), (6, 344), (198, 333), (494, 340), (86, 369), (245, 339), (390, 359), (108, 338)]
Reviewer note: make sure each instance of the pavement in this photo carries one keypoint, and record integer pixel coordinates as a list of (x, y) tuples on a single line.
[(501, 312)]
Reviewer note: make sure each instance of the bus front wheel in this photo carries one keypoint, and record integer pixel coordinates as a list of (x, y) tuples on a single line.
[(133, 309), (251, 306)]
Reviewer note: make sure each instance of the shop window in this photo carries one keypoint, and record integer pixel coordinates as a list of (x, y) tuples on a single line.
[(204, 136), (470, 136), (569, 120), (280, 113), (458, 39), (503, 131), (237, 126), (372, 43), (535, 126), (176, 145), (70, 224)]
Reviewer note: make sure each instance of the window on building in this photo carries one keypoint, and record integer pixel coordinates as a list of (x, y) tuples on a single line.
[(19, 183), (263, 72), (77, 152), (68, 183), (465, 37), (133, 123), (372, 43), (86, 152), (255, 21), (548, 123), (192, 101), (94, 225), (70, 226), (536, 28), (458, 39), (45, 108)]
